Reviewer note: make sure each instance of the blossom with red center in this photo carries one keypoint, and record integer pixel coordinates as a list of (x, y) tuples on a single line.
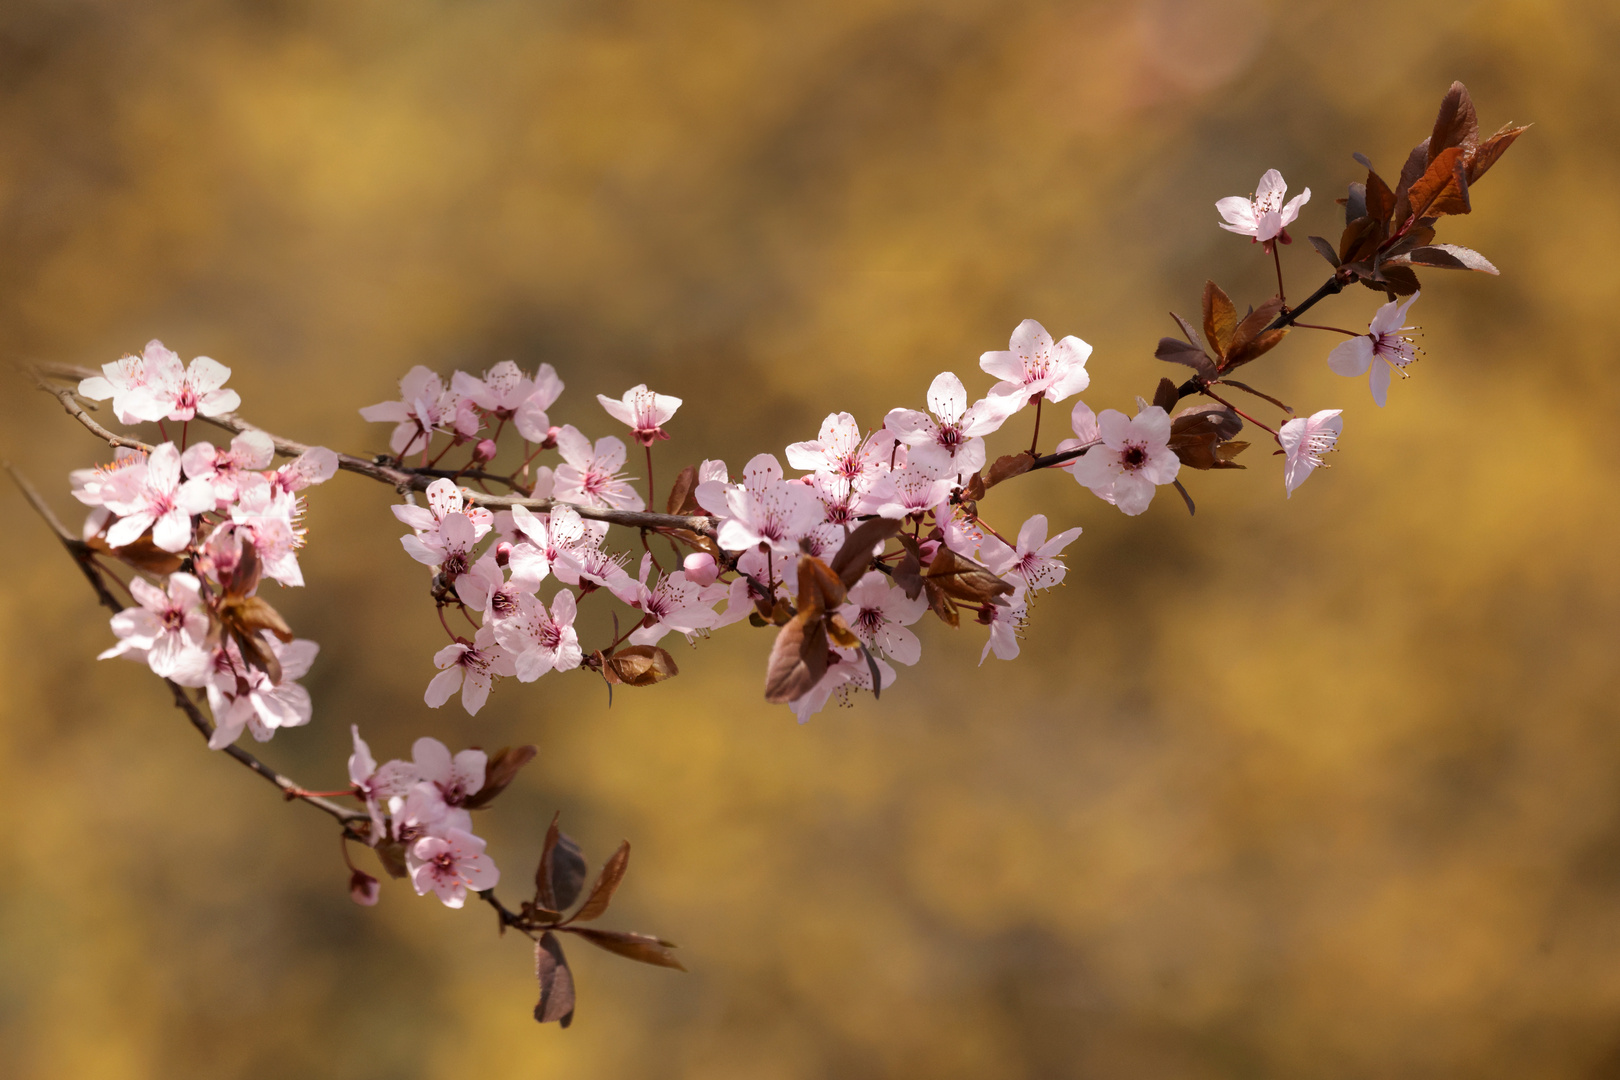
[(485, 587), (1263, 216), (1034, 366), (1033, 562), (1131, 460), (590, 473), (175, 391), (314, 466), (1384, 341), (539, 640), (952, 438), (425, 406), (675, 603), (1305, 441), (458, 778), (448, 866), (151, 496), (230, 470), (377, 785), (1006, 622), (270, 518), (763, 509), (244, 697), (915, 489), (507, 394), (643, 412), (847, 673), (169, 630), (471, 667), (879, 613)]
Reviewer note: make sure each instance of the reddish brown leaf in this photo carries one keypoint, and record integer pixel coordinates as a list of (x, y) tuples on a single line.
[(1196, 450), (643, 947), (819, 588), (682, 497), (142, 554), (561, 873), (391, 853), (1456, 126), (1253, 350), (1485, 155), (939, 602), (502, 768), (1220, 318), (1324, 249), (963, 579), (854, 559), (1007, 467), (1443, 187), (606, 882), (556, 982), (1211, 417), (1444, 257), (1165, 395), (1380, 200), (1175, 351), (639, 665), (908, 571), (1360, 239), (798, 660), (1399, 280)]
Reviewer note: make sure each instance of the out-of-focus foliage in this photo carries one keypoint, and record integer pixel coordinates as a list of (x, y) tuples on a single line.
[(1325, 788)]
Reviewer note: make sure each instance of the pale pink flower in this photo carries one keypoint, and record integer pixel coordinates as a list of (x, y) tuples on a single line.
[(763, 509), (507, 394), (675, 603), (423, 812), (443, 499), (169, 630), (471, 668), (176, 392), (425, 406), (377, 785), (92, 486), (1034, 561), (1263, 216), (152, 497), (314, 466), (450, 866), (915, 489), (232, 470), (270, 519), (448, 548), (1133, 458), (1034, 365), (1384, 341), (1006, 622), (485, 587), (643, 412), (1305, 440), (120, 380), (590, 475), (952, 439), (458, 778), (240, 696), (1084, 423), (879, 613), (847, 672), (541, 641), (738, 595), (836, 450), (553, 543)]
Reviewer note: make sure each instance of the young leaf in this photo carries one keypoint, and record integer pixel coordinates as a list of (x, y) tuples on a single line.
[(606, 882), (1456, 125), (1443, 187), (908, 571), (855, 557), (1380, 200), (1417, 162), (1324, 249), (561, 873), (1485, 155), (643, 947), (682, 497), (1165, 395), (1444, 257), (1220, 318), (1008, 466), (640, 665), (963, 579), (798, 660), (1176, 351), (556, 982)]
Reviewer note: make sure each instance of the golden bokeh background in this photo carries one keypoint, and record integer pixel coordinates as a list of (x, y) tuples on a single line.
[(1327, 787)]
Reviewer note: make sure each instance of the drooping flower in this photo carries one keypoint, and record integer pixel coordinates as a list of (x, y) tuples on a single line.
[(169, 630), (1034, 562), (152, 497), (314, 466), (590, 474), (952, 439), (1305, 440), (1264, 217), (424, 407), (1006, 622), (540, 641), (240, 696), (1133, 459), (1384, 341), (231, 470), (448, 866), (847, 672), (470, 668), (643, 412), (507, 394), (879, 613), (1033, 365)]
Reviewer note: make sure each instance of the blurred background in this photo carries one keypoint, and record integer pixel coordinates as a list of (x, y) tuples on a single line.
[(1326, 787)]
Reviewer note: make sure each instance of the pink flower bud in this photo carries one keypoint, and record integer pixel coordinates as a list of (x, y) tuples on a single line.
[(363, 888), (503, 553), (485, 450), (551, 439), (700, 568)]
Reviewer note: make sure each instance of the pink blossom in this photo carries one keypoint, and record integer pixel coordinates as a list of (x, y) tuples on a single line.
[(451, 865), (175, 392), (447, 548), (364, 889), (377, 785), (643, 411), (470, 668), (847, 672), (1084, 423), (541, 641), (1006, 622), (1034, 561), (1263, 217), (507, 394), (590, 475), (675, 603), (423, 812), (1133, 458), (120, 380), (424, 407), (240, 696), (1034, 366), (551, 543), (1384, 341), (169, 630), (952, 439), (1305, 441), (229, 471), (879, 613), (915, 489), (92, 486), (457, 778), (152, 497), (484, 587), (763, 509), (443, 499), (314, 466), (270, 519), (835, 451)]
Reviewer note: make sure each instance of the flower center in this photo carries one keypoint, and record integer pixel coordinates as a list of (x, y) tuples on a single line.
[(1134, 457)]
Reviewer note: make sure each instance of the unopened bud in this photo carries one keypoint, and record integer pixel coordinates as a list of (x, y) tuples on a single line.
[(700, 568), (551, 439), (503, 553), (363, 888), (485, 450)]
